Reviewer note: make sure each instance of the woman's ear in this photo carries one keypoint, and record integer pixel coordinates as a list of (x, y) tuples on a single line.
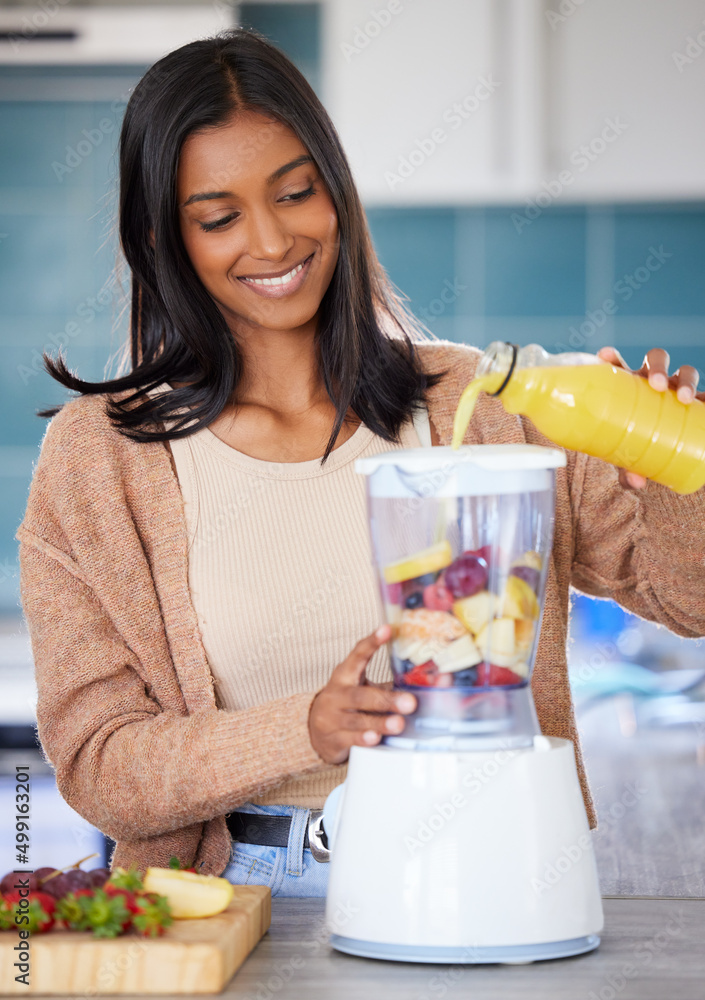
[(151, 238)]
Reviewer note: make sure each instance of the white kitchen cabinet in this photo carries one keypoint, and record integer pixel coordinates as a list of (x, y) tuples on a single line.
[(433, 101), (639, 65), (440, 102)]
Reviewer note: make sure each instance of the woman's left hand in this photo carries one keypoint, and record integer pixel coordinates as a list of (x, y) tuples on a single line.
[(655, 369)]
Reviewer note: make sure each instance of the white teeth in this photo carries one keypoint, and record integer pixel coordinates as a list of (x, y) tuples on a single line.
[(284, 280)]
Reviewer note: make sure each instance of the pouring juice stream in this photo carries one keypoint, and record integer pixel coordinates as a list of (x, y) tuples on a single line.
[(594, 407)]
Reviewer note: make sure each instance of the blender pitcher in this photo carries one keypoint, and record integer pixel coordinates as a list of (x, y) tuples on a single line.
[(461, 541)]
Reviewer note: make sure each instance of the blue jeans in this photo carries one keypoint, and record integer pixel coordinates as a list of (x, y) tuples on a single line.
[(288, 871)]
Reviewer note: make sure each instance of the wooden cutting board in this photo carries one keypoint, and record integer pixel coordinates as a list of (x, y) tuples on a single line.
[(192, 956)]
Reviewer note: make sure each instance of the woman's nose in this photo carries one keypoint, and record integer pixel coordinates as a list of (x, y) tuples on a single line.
[(267, 236)]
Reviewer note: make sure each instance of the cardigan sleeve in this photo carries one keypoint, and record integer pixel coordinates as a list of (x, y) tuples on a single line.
[(644, 548), (128, 766)]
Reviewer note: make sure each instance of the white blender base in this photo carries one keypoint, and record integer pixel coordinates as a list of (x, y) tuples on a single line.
[(462, 857), (507, 955)]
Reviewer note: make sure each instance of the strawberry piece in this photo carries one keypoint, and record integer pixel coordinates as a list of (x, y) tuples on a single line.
[(423, 675), (489, 674), (37, 917), (437, 597), (153, 914)]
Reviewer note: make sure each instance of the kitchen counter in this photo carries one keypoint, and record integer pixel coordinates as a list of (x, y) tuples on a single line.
[(651, 949)]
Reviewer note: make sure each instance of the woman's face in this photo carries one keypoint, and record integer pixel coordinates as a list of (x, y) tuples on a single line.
[(254, 210)]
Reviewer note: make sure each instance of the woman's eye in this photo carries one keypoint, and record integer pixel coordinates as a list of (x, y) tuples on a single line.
[(298, 195), (207, 227)]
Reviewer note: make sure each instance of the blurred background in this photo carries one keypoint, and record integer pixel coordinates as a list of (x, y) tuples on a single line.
[(532, 170)]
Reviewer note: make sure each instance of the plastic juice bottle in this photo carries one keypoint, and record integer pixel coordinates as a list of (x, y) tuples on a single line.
[(586, 404)]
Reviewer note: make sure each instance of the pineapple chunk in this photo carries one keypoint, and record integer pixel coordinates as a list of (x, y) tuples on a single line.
[(474, 612), (458, 655), (531, 558), (189, 894), (428, 560), (497, 642), (518, 600), (524, 635)]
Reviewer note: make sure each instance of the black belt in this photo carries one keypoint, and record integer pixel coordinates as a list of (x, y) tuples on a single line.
[(255, 828)]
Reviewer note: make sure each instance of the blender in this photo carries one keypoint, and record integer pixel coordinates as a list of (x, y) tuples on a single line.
[(464, 839)]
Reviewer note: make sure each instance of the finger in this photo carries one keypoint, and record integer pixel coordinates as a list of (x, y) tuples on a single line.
[(352, 668), (631, 480), (361, 722), (655, 366), (612, 355), (372, 699), (687, 379)]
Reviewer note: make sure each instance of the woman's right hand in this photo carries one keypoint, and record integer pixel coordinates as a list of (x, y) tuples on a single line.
[(350, 711)]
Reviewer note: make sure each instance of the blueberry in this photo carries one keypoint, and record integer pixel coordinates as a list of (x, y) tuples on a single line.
[(465, 677), (414, 600)]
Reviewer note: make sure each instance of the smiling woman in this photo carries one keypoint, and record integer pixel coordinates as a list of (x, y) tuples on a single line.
[(195, 563), (268, 352), (244, 234)]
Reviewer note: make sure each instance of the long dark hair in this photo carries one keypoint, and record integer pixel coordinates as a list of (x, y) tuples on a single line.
[(365, 336)]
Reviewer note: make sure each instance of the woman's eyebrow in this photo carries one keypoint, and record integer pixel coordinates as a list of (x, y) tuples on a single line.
[(279, 172)]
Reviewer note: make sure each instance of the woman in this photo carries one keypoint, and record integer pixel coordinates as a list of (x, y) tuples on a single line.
[(195, 563)]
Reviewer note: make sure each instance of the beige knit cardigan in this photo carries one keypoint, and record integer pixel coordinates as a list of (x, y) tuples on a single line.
[(127, 713)]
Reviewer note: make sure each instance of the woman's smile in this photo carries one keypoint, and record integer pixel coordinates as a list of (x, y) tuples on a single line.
[(277, 284)]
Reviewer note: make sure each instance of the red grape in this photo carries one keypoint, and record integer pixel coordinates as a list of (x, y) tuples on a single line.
[(484, 552), (8, 882), (76, 878), (43, 872), (528, 574), (57, 886), (99, 876), (467, 575)]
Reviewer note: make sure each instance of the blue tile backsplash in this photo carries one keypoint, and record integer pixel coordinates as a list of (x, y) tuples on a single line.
[(538, 270), (468, 273)]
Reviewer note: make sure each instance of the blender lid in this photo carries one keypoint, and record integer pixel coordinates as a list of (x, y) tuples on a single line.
[(494, 457)]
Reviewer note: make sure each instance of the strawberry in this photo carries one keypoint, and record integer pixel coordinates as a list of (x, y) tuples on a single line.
[(37, 917), (7, 921), (153, 914), (71, 911), (438, 597), (423, 675), (106, 914), (176, 864), (489, 674), (130, 879), (129, 900)]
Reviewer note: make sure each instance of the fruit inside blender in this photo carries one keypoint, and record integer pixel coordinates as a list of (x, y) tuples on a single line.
[(453, 625), (462, 581)]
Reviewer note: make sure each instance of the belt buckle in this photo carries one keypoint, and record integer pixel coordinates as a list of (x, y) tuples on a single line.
[(317, 840)]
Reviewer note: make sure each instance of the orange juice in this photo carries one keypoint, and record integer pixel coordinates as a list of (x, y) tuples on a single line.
[(606, 412)]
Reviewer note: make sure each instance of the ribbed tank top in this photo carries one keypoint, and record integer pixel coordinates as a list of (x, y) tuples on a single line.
[(281, 575)]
